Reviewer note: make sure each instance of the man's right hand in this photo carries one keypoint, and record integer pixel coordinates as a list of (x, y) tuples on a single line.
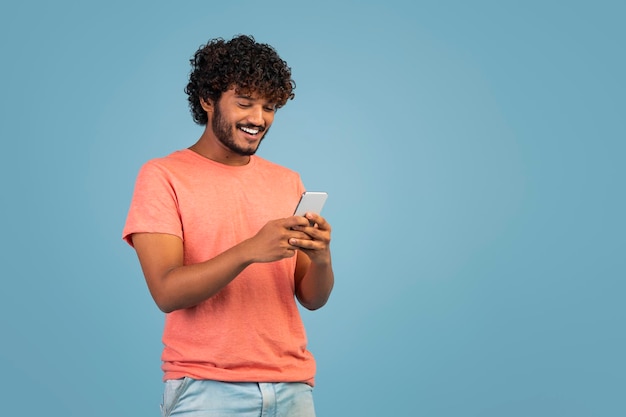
[(271, 243)]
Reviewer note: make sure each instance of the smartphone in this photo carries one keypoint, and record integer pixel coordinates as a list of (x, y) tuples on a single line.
[(311, 202)]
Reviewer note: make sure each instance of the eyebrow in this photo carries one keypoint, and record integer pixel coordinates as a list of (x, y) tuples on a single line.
[(248, 97)]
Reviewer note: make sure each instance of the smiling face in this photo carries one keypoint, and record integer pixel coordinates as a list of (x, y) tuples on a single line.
[(237, 124)]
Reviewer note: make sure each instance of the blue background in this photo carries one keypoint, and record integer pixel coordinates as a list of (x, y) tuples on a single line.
[(474, 157)]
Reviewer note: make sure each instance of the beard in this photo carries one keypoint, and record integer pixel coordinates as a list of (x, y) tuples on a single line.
[(223, 130)]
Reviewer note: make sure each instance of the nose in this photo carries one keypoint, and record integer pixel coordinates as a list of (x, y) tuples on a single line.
[(255, 116)]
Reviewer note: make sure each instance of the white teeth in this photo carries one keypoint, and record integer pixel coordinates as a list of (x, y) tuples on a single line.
[(250, 131)]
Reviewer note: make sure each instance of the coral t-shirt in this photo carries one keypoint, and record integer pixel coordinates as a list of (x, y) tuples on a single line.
[(251, 331)]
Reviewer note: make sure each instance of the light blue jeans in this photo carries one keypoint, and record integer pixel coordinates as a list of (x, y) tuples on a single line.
[(202, 398)]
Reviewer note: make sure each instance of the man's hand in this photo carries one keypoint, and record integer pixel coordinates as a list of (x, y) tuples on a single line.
[(273, 241), (314, 276), (316, 243)]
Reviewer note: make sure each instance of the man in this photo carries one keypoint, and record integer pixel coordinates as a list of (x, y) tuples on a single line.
[(221, 252)]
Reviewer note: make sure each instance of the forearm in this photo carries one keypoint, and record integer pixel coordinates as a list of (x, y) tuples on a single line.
[(316, 285), (186, 286)]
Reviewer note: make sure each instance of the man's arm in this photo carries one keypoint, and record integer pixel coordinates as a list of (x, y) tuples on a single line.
[(175, 286), (314, 271)]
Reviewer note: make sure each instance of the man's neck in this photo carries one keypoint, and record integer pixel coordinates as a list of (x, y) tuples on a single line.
[(211, 148)]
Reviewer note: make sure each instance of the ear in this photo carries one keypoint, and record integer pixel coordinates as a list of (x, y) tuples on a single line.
[(207, 105)]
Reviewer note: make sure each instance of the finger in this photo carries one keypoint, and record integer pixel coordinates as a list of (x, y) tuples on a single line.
[(318, 231), (314, 233), (319, 220), (307, 244), (296, 222), (299, 234)]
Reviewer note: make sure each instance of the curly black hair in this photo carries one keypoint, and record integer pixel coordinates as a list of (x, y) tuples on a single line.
[(241, 63)]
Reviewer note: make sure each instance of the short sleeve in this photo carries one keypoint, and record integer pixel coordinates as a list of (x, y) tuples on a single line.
[(154, 207)]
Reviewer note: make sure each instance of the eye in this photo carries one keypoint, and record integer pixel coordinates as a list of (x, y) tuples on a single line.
[(244, 105), (270, 108)]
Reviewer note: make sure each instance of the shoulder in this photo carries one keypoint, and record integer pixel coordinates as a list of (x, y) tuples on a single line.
[(174, 162)]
